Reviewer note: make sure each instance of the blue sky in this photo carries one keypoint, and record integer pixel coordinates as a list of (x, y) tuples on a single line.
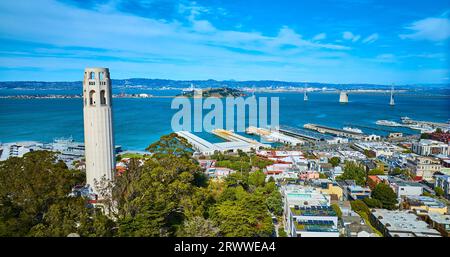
[(331, 41)]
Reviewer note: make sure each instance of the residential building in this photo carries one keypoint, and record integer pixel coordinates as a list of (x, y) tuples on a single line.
[(442, 137), (301, 196), (313, 221), (424, 205), (439, 222), (406, 188), (326, 186), (401, 224), (423, 168), (219, 172), (427, 147), (355, 192), (359, 229), (443, 181)]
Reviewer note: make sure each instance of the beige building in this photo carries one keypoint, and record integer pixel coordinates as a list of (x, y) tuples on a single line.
[(98, 129), (424, 167)]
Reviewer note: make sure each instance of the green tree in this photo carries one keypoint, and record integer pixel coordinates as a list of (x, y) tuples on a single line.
[(376, 171), (353, 171), (198, 227), (150, 197), (275, 203), (385, 195), (369, 154), (257, 179), (323, 176), (334, 161), (439, 191), (425, 136), (337, 209), (372, 202), (34, 197), (245, 217), (281, 232), (359, 207)]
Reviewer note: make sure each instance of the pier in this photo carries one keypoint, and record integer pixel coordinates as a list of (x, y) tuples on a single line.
[(377, 128), (235, 142), (304, 134), (334, 131), (274, 136)]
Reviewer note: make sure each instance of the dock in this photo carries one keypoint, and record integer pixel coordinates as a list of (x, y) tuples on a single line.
[(234, 142), (274, 136), (333, 131), (304, 134), (233, 137)]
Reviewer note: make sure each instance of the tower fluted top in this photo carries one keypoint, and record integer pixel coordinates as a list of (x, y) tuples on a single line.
[(96, 69)]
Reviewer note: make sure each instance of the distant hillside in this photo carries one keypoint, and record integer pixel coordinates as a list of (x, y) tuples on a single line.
[(161, 83)]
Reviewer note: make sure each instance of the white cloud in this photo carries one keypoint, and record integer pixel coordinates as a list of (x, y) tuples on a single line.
[(372, 38), (320, 36), (432, 29), (203, 26), (347, 35), (190, 48), (385, 58)]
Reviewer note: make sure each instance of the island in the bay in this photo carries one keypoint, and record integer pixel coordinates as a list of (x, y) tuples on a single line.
[(213, 92)]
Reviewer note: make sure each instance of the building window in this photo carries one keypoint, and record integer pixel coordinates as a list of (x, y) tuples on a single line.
[(101, 75), (102, 97), (92, 75), (92, 97)]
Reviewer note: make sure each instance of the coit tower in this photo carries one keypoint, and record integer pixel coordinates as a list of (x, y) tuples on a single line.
[(98, 129)]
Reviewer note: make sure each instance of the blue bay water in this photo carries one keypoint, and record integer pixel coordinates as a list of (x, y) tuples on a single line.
[(139, 122)]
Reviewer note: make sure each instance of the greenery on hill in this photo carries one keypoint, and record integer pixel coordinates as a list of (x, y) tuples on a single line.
[(166, 196), (241, 162), (34, 199)]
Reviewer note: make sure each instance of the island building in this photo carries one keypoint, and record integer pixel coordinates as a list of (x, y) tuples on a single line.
[(98, 129)]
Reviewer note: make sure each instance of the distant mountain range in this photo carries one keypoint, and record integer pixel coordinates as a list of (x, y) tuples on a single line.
[(164, 83)]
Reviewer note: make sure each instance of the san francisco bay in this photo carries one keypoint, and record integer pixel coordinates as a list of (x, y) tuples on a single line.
[(141, 121)]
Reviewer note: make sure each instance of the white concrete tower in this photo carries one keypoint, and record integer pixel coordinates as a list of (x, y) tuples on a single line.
[(343, 97), (98, 129)]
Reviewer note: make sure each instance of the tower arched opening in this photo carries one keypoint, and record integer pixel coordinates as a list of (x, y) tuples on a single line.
[(102, 97), (92, 97)]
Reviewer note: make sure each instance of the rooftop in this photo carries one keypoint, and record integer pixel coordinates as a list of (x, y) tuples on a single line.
[(425, 200), (316, 226), (440, 218), (313, 211), (403, 223)]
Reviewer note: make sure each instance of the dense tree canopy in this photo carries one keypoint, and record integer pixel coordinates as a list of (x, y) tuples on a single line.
[(334, 161), (165, 194), (385, 195), (34, 199), (354, 171)]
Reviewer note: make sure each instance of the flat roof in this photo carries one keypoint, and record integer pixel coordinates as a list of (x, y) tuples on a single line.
[(440, 218), (403, 223)]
